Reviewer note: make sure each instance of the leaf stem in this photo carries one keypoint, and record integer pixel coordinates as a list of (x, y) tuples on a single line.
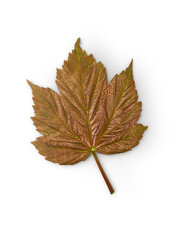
[(103, 173)]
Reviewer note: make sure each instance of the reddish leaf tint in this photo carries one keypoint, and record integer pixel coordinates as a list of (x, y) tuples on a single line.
[(89, 115)]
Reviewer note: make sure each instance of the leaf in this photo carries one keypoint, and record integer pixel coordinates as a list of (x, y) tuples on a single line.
[(89, 115)]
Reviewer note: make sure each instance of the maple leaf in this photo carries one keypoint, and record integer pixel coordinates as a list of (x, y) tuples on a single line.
[(89, 115)]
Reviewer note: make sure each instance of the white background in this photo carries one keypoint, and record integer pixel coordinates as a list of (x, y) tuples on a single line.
[(41, 200)]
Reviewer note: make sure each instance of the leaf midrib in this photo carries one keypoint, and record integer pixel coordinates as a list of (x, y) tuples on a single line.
[(84, 97)]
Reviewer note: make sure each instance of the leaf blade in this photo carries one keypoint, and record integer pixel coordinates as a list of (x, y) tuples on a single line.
[(84, 82), (63, 156), (123, 143), (122, 106)]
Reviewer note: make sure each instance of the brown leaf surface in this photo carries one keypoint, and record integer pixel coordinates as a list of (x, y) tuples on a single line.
[(88, 115)]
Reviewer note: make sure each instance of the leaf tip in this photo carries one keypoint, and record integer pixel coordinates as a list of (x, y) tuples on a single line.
[(144, 129), (29, 83), (131, 63), (130, 66), (33, 143), (77, 43)]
